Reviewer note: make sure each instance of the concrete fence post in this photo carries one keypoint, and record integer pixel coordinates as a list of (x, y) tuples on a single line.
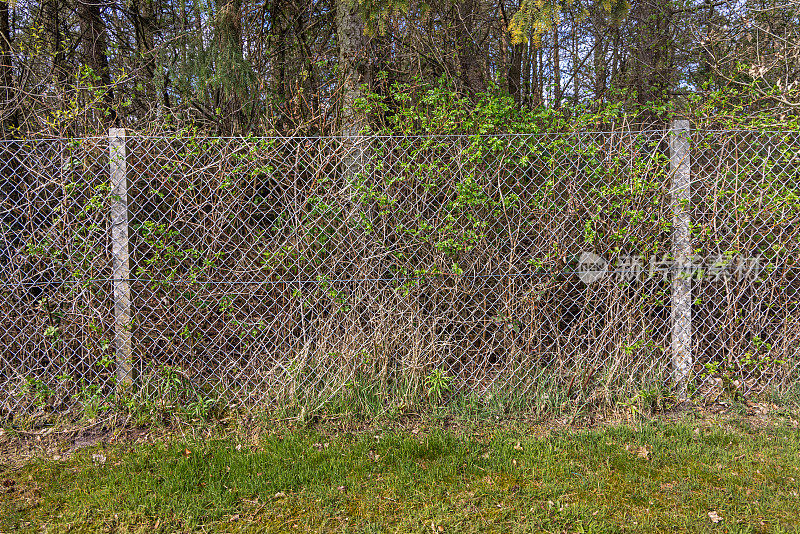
[(119, 251), (680, 167)]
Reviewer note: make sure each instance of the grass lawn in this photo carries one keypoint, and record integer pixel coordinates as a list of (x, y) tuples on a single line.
[(663, 476)]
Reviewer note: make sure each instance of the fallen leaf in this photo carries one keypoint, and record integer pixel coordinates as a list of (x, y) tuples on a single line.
[(280, 494), (186, 452), (714, 516), (643, 453)]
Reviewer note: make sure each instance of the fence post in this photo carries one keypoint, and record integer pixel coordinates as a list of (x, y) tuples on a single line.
[(119, 250), (680, 167)]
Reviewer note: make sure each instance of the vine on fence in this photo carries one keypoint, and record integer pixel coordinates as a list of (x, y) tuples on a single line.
[(265, 270)]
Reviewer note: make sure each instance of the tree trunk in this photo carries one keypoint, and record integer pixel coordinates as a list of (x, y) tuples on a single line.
[(469, 52), (503, 66), (556, 69), (651, 70), (51, 13), (616, 68), (576, 64), (526, 73), (600, 70), (278, 67), (353, 64), (354, 72), (538, 97), (143, 20), (229, 64), (94, 43), (9, 107), (514, 72)]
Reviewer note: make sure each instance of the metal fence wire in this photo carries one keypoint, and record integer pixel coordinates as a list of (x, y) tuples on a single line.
[(275, 271)]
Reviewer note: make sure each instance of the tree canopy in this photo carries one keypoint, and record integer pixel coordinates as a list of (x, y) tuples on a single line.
[(319, 67)]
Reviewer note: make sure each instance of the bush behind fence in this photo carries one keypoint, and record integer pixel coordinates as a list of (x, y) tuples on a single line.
[(296, 271)]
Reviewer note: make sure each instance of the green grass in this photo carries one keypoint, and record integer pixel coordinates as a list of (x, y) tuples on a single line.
[(653, 477)]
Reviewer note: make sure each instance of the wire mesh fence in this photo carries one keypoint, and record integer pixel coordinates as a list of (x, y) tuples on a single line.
[(275, 271)]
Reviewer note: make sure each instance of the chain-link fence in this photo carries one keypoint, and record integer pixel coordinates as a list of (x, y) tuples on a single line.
[(301, 270)]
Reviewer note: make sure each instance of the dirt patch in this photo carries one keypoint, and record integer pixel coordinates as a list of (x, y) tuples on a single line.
[(20, 447)]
